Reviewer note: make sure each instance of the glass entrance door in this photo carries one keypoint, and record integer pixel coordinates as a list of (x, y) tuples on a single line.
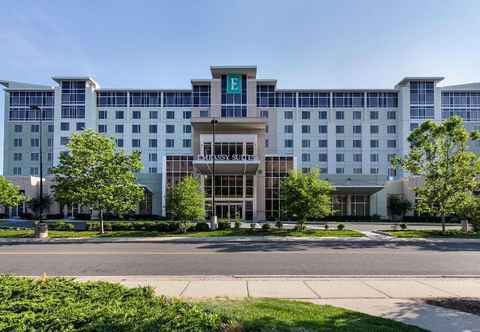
[(229, 210)]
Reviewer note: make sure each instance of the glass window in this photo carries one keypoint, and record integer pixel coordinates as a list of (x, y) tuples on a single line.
[(373, 115), (63, 140), (374, 143), (288, 129), (313, 99), (391, 115), (102, 128), (135, 143), (152, 157), (382, 99), (102, 115), (170, 115), (305, 115), (187, 129), (35, 128), (340, 170), (322, 115), (357, 115), (64, 126), (348, 99), (112, 99), (357, 144), (392, 129), (322, 129), (357, 157), (288, 115), (170, 129), (339, 115), (136, 129), (201, 95), (340, 143), (152, 129), (374, 129), (152, 143), (136, 115), (305, 143), (80, 126), (177, 99), (340, 129), (374, 157), (187, 143), (322, 143), (357, 129), (323, 157), (391, 143), (169, 143), (265, 95), (288, 143), (153, 114), (119, 142), (306, 157), (187, 115), (119, 115), (119, 128), (305, 129)]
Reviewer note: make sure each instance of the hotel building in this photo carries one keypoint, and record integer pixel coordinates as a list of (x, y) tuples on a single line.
[(262, 132)]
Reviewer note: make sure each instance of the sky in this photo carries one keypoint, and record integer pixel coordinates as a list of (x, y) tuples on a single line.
[(302, 44)]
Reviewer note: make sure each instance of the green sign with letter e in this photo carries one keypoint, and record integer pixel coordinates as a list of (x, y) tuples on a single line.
[(234, 84)]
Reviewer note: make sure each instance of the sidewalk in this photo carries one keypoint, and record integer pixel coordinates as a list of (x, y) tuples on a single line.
[(395, 298)]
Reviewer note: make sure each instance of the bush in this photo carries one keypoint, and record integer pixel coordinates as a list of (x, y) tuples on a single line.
[(279, 225), (403, 227), (237, 225), (340, 227), (59, 304), (61, 226), (326, 227), (224, 225), (253, 226), (266, 227), (202, 227)]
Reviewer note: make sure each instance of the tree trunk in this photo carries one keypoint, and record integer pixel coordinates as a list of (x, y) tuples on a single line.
[(443, 223), (102, 229)]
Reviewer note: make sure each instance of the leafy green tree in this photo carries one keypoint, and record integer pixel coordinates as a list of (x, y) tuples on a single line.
[(439, 155), (306, 196), (38, 206), (399, 206), (96, 175), (10, 195), (469, 210), (186, 201)]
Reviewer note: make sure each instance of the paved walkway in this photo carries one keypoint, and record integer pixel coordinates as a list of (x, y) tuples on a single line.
[(394, 298)]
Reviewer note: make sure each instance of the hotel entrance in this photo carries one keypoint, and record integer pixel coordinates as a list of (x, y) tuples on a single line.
[(230, 210)]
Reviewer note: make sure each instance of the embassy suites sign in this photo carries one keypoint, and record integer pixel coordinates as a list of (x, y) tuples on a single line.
[(226, 157)]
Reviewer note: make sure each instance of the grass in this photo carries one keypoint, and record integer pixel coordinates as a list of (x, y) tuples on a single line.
[(434, 234), (26, 233), (59, 304), (264, 315)]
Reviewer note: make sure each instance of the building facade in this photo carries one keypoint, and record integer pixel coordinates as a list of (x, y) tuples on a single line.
[(261, 133)]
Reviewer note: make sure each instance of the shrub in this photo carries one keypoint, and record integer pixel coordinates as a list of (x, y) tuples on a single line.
[(340, 227), (223, 225), (326, 227), (279, 225), (59, 304), (253, 226), (202, 227), (237, 225), (61, 226), (266, 227), (403, 227)]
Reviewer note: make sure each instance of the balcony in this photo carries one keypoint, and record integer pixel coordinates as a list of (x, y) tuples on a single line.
[(227, 164)]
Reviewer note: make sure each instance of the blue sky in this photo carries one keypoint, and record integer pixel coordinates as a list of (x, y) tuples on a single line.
[(316, 44)]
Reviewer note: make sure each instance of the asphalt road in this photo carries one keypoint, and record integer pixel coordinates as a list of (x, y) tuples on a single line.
[(253, 258)]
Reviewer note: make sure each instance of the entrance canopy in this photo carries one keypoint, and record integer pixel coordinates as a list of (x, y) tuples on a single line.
[(204, 166)]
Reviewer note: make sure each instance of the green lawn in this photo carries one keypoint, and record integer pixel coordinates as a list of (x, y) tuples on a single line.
[(264, 315), (58, 304), (8, 233), (434, 234)]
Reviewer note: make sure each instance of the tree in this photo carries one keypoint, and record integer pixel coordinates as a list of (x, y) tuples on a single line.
[(399, 206), (10, 195), (96, 175), (469, 210), (306, 196), (439, 154), (38, 206), (186, 201)]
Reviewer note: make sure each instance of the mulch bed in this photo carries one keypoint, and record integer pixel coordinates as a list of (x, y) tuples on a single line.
[(470, 305)]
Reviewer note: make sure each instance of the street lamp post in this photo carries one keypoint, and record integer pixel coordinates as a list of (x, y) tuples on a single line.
[(41, 228), (214, 223)]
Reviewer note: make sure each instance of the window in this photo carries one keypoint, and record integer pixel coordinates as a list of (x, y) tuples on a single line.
[(465, 104), (35, 128), (390, 157), (17, 156), (305, 129), (80, 126), (382, 99), (285, 99), (374, 157), (187, 115), (17, 171), (17, 142), (187, 143), (373, 170), (136, 129), (322, 115), (305, 115), (391, 129), (136, 115), (187, 129), (287, 115), (64, 126), (267, 143), (374, 143), (340, 157), (421, 93), (306, 157), (264, 114), (288, 143), (102, 115), (170, 115), (322, 143), (152, 129), (152, 157), (35, 142), (169, 143), (306, 170), (313, 99), (153, 115), (340, 170), (63, 140), (119, 115), (391, 143), (119, 128), (201, 95), (323, 170), (322, 129), (413, 126), (102, 128), (135, 143), (50, 142), (322, 157), (34, 171), (340, 129), (49, 156), (357, 144), (112, 98), (340, 143), (339, 115), (421, 112), (357, 157), (373, 129), (305, 143), (152, 170), (177, 99), (357, 115), (373, 115), (34, 156), (357, 170), (119, 142), (391, 115), (357, 129), (348, 99), (170, 129), (152, 143), (204, 113), (288, 129), (50, 128)]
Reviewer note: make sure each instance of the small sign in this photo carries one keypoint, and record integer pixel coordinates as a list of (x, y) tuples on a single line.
[(234, 84)]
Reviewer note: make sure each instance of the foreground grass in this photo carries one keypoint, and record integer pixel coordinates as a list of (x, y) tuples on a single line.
[(26, 233), (434, 234), (59, 304), (283, 316)]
